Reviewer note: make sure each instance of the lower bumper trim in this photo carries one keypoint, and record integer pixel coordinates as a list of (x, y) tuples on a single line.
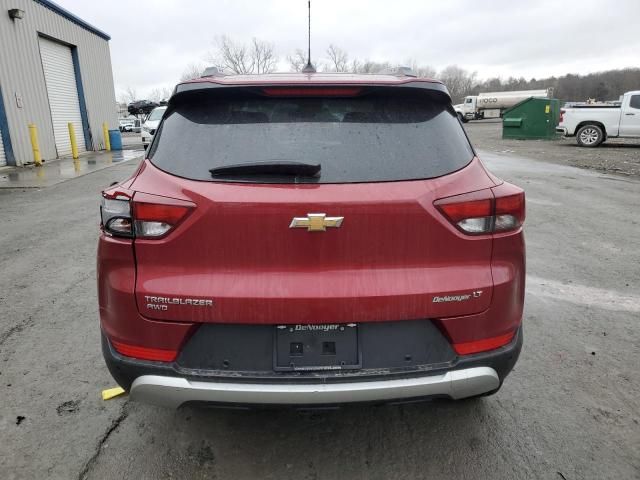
[(174, 391)]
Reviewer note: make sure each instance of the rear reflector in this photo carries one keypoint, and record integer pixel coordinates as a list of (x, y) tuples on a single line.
[(143, 353), (312, 92), (483, 345)]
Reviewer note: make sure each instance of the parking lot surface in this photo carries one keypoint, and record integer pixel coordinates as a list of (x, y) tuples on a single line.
[(616, 155), (569, 410)]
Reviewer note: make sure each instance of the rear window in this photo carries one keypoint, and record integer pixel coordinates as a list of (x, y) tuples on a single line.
[(375, 137)]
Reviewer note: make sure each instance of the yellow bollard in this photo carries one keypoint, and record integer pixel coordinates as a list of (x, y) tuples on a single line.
[(72, 137), (33, 133), (105, 132)]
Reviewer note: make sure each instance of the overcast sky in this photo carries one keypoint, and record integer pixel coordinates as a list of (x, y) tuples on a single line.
[(153, 41)]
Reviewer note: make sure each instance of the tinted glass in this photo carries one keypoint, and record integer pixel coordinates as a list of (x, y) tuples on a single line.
[(375, 137), (635, 101)]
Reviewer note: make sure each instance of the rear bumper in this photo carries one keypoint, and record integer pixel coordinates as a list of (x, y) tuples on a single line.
[(562, 131), (163, 384), (173, 391)]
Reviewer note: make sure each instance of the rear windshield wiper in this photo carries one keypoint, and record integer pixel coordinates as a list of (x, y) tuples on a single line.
[(297, 169)]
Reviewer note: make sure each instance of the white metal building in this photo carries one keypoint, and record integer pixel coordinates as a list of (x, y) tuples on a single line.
[(54, 69)]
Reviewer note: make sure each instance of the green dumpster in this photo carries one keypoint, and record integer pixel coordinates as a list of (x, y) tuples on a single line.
[(533, 118)]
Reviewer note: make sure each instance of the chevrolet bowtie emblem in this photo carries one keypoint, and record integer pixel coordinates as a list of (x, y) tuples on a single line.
[(316, 222)]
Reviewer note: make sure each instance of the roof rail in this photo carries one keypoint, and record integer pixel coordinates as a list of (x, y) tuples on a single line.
[(399, 71), (404, 72), (212, 72)]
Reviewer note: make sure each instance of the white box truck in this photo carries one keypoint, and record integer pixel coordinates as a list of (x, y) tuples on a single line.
[(493, 104)]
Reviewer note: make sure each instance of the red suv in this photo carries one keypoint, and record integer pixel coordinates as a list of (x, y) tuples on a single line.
[(310, 239)]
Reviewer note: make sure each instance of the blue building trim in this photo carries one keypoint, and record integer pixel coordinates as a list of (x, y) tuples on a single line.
[(70, 16), (6, 138), (86, 129)]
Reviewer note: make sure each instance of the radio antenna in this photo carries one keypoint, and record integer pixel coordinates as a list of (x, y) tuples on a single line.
[(309, 68)]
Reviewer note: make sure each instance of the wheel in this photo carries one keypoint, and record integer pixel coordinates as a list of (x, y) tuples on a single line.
[(589, 136), (462, 118)]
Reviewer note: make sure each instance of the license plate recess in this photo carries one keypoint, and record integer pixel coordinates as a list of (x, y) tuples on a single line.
[(316, 347)]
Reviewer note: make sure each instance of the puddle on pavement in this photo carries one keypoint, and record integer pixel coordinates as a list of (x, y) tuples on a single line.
[(57, 171)]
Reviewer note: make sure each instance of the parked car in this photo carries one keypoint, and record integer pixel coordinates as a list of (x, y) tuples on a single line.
[(126, 125), (151, 124), (592, 124), (310, 239)]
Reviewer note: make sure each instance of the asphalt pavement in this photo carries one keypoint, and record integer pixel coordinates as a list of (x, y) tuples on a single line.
[(570, 409)]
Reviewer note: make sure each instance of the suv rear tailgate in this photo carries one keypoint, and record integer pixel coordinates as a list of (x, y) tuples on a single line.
[(393, 254)]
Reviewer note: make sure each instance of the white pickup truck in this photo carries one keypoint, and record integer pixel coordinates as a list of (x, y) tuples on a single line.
[(592, 124)]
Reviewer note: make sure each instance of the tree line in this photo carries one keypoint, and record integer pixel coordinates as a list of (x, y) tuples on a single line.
[(606, 85), (259, 56)]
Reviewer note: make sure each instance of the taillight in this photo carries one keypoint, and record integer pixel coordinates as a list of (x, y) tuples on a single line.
[(561, 115), (153, 219), (115, 213), (142, 215), (500, 209), (509, 212)]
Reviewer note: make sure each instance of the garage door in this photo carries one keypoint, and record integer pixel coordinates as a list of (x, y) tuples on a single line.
[(3, 159), (60, 78)]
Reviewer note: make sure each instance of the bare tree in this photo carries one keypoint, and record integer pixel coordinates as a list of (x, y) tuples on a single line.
[(297, 60), (129, 95), (422, 71), (338, 59), (458, 81), (369, 66), (425, 71), (263, 57), (258, 57), (230, 55), (159, 94), (193, 70)]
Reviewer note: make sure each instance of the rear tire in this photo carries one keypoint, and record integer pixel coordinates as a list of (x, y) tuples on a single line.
[(590, 136)]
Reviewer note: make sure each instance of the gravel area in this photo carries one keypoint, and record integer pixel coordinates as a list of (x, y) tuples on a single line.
[(616, 155)]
